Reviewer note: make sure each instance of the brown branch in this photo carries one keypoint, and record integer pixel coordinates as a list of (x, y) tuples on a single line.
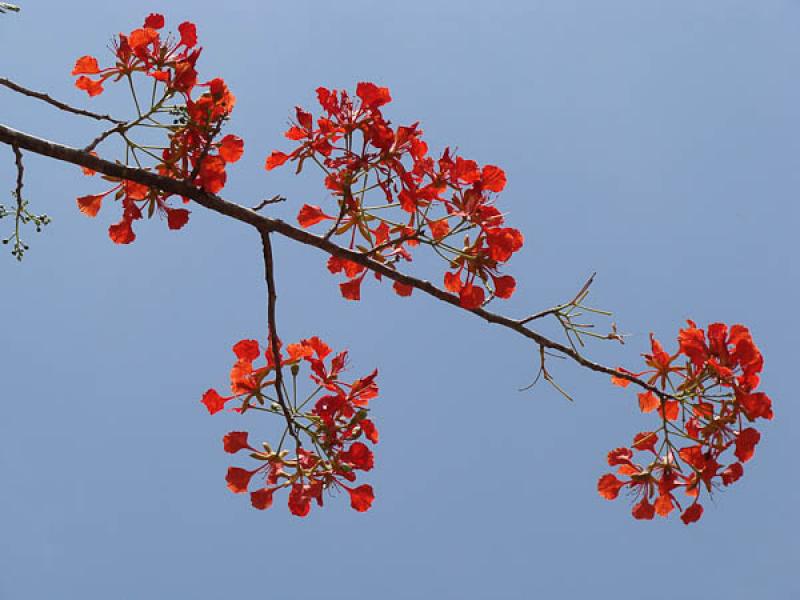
[(20, 176), (57, 103), (274, 200), (272, 297), (574, 302), (120, 128), (266, 224)]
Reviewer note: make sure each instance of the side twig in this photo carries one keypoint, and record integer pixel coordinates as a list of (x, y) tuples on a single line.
[(53, 102), (272, 297)]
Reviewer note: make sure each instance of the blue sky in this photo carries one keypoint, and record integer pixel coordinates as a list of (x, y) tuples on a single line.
[(653, 142)]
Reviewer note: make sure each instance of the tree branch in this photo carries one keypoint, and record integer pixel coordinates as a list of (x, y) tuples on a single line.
[(266, 225), (274, 341), (57, 103)]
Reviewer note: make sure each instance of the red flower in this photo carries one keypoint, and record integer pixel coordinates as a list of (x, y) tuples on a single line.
[(361, 498), (335, 422), (648, 401), (261, 499), (177, 217), (692, 514), (213, 401), (643, 510), (231, 148), (247, 350), (609, 486), (370, 431), (235, 441), (311, 215), (756, 405), (238, 479), (351, 290), (276, 159), (188, 33), (359, 456), (646, 441), (86, 65), (154, 21), (746, 444), (732, 473), (493, 178), (299, 500), (471, 296), (122, 232), (402, 289), (373, 96), (90, 205)]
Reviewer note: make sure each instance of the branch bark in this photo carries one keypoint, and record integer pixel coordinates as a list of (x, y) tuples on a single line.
[(56, 103), (274, 340), (264, 224)]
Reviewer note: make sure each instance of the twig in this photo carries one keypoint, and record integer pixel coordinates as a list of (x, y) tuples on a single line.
[(57, 103), (543, 372), (556, 309), (274, 200), (266, 224), (20, 176), (272, 297), (121, 128), (402, 239)]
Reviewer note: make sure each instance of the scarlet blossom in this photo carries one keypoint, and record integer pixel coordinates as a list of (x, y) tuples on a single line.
[(643, 510), (434, 199), (692, 514), (361, 498), (191, 153), (646, 441), (351, 290), (154, 21), (609, 486), (370, 431), (276, 159), (213, 401), (471, 296), (299, 500), (235, 441), (238, 479), (262, 499), (359, 456), (706, 392), (311, 215), (334, 423), (732, 473), (231, 148), (247, 350), (177, 217), (188, 33), (504, 286), (647, 401), (402, 289), (90, 205), (122, 232), (746, 444), (373, 96)]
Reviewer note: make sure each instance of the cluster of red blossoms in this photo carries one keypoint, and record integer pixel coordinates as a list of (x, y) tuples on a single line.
[(422, 200), (334, 426), (192, 154), (707, 397)]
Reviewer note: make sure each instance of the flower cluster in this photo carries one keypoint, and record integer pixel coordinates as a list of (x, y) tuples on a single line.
[(334, 425), (706, 397), (195, 120), (422, 200)]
